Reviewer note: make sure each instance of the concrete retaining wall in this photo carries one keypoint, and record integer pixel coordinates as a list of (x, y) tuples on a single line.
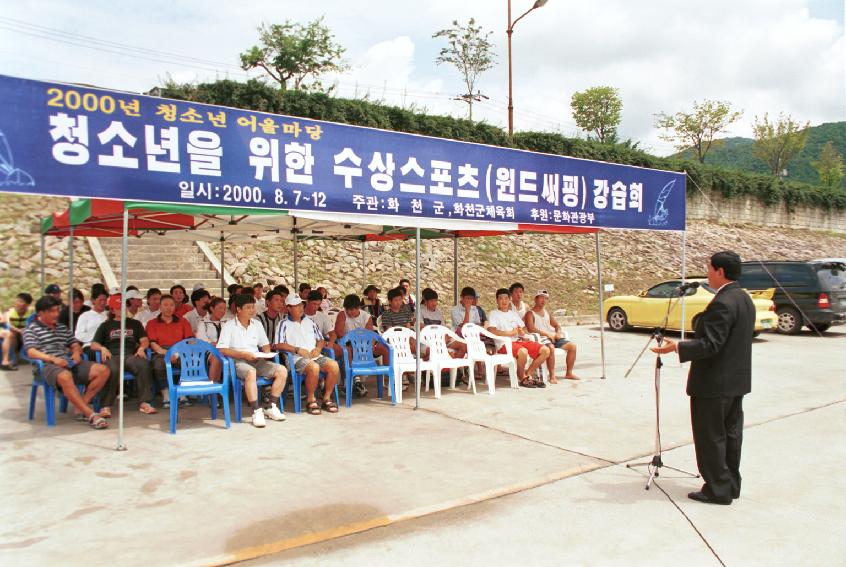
[(749, 210)]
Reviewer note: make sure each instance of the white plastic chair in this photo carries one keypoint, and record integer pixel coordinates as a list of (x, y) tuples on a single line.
[(435, 337), (543, 369), (404, 360), (477, 353)]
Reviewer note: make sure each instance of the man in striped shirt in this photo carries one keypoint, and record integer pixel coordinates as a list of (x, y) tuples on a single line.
[(300, 336), (51, 342)]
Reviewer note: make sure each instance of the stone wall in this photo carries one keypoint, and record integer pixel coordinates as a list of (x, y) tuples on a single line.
[(565, 265), (749, 210)]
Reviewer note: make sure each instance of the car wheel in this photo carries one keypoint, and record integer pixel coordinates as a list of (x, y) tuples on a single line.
[(820, 327), (617, 319), (789, 321)]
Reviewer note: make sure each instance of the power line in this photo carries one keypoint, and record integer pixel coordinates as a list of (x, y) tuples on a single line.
[(24, 26), (114, 51)]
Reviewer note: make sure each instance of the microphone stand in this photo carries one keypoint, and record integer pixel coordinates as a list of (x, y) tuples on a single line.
[(656, 463)]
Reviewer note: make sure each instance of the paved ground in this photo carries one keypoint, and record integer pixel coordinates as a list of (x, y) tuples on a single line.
[(522, 476)]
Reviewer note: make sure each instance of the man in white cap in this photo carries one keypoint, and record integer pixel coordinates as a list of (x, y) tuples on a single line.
[(244, 340), (300, 336), (539, 320)]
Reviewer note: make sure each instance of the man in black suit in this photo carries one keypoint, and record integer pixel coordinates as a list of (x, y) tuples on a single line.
[(720, 375)]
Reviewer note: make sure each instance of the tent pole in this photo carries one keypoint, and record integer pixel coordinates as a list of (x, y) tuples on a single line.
[(417, 321), (455, 270), (124, 252), (222, 266), (43, 254), (364, 263), (599, 284), (683, 276), (70, 282)]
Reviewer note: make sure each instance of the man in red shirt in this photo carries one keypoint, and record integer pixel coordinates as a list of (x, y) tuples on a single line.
[(165, 331)]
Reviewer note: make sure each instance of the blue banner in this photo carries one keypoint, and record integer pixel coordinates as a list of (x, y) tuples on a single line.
[(58, 139)]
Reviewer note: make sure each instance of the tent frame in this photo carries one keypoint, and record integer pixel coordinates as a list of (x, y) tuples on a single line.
[(125, 232)]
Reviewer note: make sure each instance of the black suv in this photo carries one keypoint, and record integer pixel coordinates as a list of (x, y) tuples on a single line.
[(817, 288)]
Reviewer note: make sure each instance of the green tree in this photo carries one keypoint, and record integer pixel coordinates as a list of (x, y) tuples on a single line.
[(829, 166), (597, 110), (776, 143), (470, 51), (697, 129), (291, 54)]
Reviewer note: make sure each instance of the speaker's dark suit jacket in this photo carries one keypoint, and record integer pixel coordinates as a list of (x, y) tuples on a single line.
[(721, 352)]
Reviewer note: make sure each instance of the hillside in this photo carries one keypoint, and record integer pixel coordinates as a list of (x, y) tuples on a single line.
[(736, 153), (565, 265)]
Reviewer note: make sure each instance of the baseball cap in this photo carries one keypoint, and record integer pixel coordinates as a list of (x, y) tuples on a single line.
[(114, 301), (542, 292), (198, 286), (134, 294), (52, 288), (293, 299)]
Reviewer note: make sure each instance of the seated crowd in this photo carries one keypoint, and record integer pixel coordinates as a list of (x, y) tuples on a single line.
[(251, 327)]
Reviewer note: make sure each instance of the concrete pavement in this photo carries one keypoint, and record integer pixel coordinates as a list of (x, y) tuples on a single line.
[(521, 475)]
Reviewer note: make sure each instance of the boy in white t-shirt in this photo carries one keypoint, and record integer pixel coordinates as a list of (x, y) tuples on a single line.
[(504, 322), (431, 315)]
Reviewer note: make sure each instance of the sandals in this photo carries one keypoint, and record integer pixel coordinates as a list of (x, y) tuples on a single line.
[(146, 408), (539, 383), (313, 408), (8, 367), (106, 412), (329, 406), (527, 383), (96, 421)]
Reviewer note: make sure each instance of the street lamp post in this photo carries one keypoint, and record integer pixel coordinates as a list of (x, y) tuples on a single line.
[(509, 31)]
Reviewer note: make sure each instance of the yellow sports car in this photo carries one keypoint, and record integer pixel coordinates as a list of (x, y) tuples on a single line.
[(648, 308)]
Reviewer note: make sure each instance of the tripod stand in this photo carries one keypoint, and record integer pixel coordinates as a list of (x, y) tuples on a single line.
[(656, 463)]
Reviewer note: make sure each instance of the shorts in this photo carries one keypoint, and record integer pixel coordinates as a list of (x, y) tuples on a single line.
[(262, 367), (300, 362), (559, 343), (532, 347), (80, 372)]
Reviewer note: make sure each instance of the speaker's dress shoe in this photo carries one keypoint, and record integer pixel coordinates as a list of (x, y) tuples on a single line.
[(702, 497)]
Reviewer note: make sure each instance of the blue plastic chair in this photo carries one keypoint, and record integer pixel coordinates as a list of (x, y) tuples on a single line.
[(238, 387), (194, 377), (363, 363), (49, 393), (298, 380)]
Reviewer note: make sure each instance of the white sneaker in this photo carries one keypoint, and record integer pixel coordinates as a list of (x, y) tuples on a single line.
[(274, 413), (258, 418)]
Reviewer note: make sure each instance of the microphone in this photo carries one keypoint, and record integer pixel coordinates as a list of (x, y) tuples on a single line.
[(684, 287)]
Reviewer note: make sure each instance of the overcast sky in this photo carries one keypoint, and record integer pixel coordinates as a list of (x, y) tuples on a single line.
[(761, 55)]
